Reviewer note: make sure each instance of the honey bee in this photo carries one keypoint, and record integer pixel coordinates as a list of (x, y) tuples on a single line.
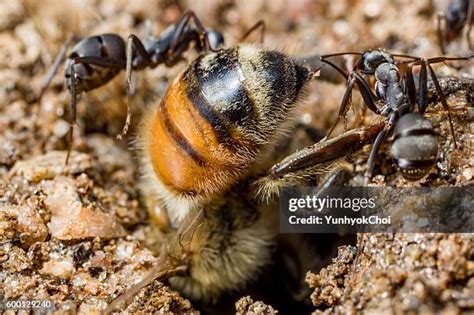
[(205, 149)]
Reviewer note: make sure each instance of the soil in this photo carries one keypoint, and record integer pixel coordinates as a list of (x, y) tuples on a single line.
[(79, 235)]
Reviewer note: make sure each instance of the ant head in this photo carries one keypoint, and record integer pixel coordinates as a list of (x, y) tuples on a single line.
[(456, 16), (372, 59), (216, 40)]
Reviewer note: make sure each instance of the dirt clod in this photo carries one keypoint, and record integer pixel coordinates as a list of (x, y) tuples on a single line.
[(247, 306), (70, 219), (49, 165)]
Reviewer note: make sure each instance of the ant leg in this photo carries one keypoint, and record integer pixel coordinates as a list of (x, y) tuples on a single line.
[(410, 86), (423, 89), (346, 99), (426, 63), (314, 134), (469, 24), (181, 27), (342, 54), (260, 24), (57, 63), (406, 56), (373, 153), (444, 59), (337, 178), (179, 31), (376, 146), (439, 33), (133, 41), (370, 99), (72, 118), (202, 32), (109, 63), (443, 100), (338, 69), (99, 61)]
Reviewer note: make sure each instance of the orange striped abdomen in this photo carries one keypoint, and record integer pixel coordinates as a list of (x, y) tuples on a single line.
[(186, 151), (217, 115)]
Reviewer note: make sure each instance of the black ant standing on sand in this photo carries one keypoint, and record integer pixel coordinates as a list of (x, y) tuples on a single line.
[(458, 14), (96, 60), (399, 98)]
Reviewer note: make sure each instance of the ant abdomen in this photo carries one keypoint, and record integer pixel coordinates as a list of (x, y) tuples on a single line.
[(90, 76), (415, 146)]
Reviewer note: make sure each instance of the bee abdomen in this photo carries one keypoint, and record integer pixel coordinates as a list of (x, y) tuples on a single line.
[(415, 146), (217, 114)]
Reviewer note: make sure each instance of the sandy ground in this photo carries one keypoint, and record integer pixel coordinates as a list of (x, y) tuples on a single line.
[(79, 235)]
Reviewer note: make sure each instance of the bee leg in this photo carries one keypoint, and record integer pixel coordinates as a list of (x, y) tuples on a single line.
[(305, 134), (326, 150), (158, 213), (314, 160), (164, 268), (173, 259), (231, 245)]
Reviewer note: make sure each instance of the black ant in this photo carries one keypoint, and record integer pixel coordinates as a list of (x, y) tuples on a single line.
[(399, 98), (411, 130), (458, 14), (96, 60)]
